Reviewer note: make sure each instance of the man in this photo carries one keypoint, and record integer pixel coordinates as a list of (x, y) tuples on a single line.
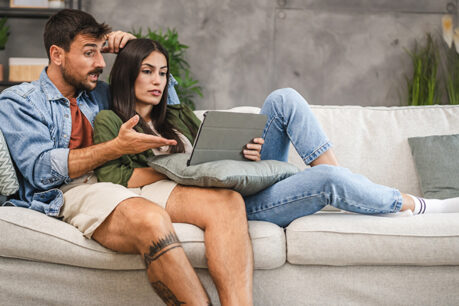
[(48, 128)]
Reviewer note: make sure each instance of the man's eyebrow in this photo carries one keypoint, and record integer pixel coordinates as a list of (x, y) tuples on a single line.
[(90, 45)]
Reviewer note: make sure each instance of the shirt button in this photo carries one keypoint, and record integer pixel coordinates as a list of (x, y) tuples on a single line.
[(65, 135), (66, 116)]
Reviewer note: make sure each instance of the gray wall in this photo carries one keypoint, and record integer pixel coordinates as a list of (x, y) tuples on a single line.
[(332, 51)]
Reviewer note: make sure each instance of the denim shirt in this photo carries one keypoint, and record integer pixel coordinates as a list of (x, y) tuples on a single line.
[(36, 122)]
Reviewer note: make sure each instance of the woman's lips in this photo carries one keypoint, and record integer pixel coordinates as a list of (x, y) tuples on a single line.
[(155, 92)]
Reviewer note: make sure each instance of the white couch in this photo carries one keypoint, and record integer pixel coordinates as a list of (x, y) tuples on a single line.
[(323, 259)]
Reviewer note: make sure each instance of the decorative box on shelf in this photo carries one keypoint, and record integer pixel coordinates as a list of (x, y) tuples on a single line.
[(26, 68)]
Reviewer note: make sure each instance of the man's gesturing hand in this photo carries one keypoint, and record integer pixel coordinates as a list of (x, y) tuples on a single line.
[(129, 141), (253, 149)]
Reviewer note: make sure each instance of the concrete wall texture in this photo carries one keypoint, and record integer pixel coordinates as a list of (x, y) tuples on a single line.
[(334, 52)]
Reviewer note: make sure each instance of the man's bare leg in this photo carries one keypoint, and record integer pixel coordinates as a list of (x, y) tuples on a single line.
[(221, 214), (140, 226)]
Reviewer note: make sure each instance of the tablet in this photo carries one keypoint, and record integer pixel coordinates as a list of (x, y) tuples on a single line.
[(223, 135)]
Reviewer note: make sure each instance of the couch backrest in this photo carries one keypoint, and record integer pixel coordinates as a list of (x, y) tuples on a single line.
[(373, 140)]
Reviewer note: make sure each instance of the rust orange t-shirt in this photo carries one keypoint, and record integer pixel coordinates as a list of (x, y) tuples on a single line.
[(81, 128)]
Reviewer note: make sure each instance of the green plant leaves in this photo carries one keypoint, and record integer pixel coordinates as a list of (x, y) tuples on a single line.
[(4, 32), (426, 85), (187, 87), (451, 73), (423, 86)]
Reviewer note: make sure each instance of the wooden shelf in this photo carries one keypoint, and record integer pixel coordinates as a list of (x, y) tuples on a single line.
[(8, 83), (43, 13), (14, 12)]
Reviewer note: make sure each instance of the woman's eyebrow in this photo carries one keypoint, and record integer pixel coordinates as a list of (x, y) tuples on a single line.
[(152, 66)]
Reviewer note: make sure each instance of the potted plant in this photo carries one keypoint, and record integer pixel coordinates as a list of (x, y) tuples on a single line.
[(426, 85), (187, 87), (451, 61), (423, 86), (4, 32)]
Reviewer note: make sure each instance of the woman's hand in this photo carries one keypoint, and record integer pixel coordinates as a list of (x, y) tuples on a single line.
[(117, 40), (129, 141), (252, 150)]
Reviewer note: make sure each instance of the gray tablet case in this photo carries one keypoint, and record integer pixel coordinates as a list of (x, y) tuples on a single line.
[(223, 135)]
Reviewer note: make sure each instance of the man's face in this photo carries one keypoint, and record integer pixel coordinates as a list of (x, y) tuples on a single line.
[(83, 63)]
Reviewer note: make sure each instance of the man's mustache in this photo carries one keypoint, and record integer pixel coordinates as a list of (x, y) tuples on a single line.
[(96, 71)]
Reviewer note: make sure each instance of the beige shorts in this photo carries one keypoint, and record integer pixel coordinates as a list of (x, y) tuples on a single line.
[(88, 203)]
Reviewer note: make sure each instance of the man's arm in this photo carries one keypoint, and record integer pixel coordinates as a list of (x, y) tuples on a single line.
[(128, 141)]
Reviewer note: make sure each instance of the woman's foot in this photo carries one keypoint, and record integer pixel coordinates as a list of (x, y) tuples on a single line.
[(432, 206)]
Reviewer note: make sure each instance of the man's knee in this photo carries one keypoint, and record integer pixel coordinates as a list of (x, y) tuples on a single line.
[(145, 220)]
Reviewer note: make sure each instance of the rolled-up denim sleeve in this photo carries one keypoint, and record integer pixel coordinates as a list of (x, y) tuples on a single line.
[(172, 97), (28, 136), (60, 161)]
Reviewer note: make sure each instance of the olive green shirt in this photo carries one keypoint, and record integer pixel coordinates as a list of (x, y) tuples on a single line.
[(106, 127)]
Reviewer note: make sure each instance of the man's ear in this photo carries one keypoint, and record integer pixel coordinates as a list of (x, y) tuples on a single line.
[(56, 55)]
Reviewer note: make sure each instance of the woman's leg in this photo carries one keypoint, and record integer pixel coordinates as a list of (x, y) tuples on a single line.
[(310, 190), (290, 119)]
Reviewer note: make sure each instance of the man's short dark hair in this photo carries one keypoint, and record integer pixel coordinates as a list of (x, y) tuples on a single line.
[(65, 25)]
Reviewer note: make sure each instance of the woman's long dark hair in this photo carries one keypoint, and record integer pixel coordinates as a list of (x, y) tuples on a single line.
[(122, 79)]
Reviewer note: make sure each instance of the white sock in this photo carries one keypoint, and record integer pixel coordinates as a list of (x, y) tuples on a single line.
[(433, 206)]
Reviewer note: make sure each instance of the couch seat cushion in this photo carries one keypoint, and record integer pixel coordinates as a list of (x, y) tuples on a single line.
[(30, 235), (340, 239)]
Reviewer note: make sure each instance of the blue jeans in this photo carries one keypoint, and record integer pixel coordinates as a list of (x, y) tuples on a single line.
[(291, 120)]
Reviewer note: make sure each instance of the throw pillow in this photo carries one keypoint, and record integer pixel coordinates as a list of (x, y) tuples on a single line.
[(437, 164), (8, 180), (246, 177)]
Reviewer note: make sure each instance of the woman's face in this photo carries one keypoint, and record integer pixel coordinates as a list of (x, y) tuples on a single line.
[(151, 81)]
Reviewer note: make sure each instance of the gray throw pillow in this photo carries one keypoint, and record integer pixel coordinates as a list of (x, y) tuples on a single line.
[(246, 177), (437, 164), (8, 179)]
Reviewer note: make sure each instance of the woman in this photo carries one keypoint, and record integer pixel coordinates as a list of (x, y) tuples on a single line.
[(288, 113), (139, 83)]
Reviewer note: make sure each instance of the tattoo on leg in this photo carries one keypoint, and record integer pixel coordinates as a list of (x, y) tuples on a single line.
[(166, 294), (157, 249)]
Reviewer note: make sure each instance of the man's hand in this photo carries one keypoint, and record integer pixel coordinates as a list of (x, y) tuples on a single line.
[(130, 141), (117, 40), (252, 150)]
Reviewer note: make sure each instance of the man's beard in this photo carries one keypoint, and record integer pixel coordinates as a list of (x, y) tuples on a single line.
[(78, 84)]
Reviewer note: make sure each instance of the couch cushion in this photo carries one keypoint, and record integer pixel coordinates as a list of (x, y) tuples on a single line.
[(437, 165), (30, 235), (246, 177), (339, 239), (8, 181)]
